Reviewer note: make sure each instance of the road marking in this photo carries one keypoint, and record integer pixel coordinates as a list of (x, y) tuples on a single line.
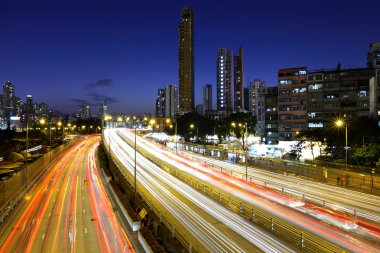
[(49, 214), (84, 211), (85, 230), (43, 236)]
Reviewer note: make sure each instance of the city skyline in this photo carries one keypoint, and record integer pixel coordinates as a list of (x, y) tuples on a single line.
[(93, 53)]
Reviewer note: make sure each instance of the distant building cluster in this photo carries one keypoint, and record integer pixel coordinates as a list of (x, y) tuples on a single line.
[(16, 115), (301, 99)]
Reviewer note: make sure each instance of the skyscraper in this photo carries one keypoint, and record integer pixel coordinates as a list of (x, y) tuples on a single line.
[(9, 99), (85, 112), (29, 104), (238, 81), (9, 103), (224, 80), (102, 110), (160, 103), (186, 60), (253, 94), (199, 109), (171, 101), (207, 97)]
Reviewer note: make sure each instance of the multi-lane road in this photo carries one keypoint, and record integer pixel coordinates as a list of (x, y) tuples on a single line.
[(338, 229), (203, 223), (67, 210), (366, 205)]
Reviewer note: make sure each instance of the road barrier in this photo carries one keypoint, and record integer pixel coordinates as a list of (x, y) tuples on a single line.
[(306, 241)]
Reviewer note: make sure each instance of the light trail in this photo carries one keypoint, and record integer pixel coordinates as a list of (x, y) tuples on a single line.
[(257, 195), (213, 226), (346, 200), (50, 219)]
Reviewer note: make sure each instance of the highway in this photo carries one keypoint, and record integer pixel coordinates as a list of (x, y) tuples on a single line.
[(338, 229), (206, 224), (67, 210), (340, 199)]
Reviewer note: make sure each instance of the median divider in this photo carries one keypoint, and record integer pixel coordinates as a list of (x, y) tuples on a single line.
[(306, 241)]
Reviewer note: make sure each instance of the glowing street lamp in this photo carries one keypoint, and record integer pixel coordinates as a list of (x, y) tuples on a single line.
[(192, 127), (339, 123), (244, 146), (43, 122)]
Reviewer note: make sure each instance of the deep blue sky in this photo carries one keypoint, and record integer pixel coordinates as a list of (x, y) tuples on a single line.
[(58, 50)]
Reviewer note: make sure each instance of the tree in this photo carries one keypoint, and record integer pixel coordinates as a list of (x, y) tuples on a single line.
[(205, 126), (367, 155), (240, 124)]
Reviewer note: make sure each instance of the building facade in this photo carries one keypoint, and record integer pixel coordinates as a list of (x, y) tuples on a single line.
[(186, 60), (199, 109), (238, 81), (207, 97), (333, 94), (253, 89), (171, 101), (224, 80), (373, 57), (292, 102), (271, 116), (160, 103)]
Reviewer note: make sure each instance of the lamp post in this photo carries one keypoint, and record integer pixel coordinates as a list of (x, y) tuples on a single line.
[(63, 130), (43, 122), (244, 146), (152, 123), (175, 137), (27, 146), (192, 127), (134, 196), (340, 123)]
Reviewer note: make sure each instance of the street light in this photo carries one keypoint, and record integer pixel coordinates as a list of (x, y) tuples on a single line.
[(59, 126), (244, 146), (175, 136), (152, 122), (135, 170), (340, 123), (43, 122), (192, 127)]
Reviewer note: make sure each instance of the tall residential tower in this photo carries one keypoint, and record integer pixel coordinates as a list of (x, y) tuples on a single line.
[(224, 80), (207, 97), (186, 60), (238, 82)]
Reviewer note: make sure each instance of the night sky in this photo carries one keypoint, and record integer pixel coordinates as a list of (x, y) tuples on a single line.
[(68, 52)]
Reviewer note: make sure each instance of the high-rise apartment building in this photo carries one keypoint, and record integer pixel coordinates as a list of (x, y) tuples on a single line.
[(207, 97), (102, 111), (224, 80), (29, 104), (9, 99), (373, 57), (42, 110), (238, 81), (186, 60), (199, 109), (292, 102), (271, 116), (85, 112), (160, 103), (349, 93), (171, 101), (253, 89)]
